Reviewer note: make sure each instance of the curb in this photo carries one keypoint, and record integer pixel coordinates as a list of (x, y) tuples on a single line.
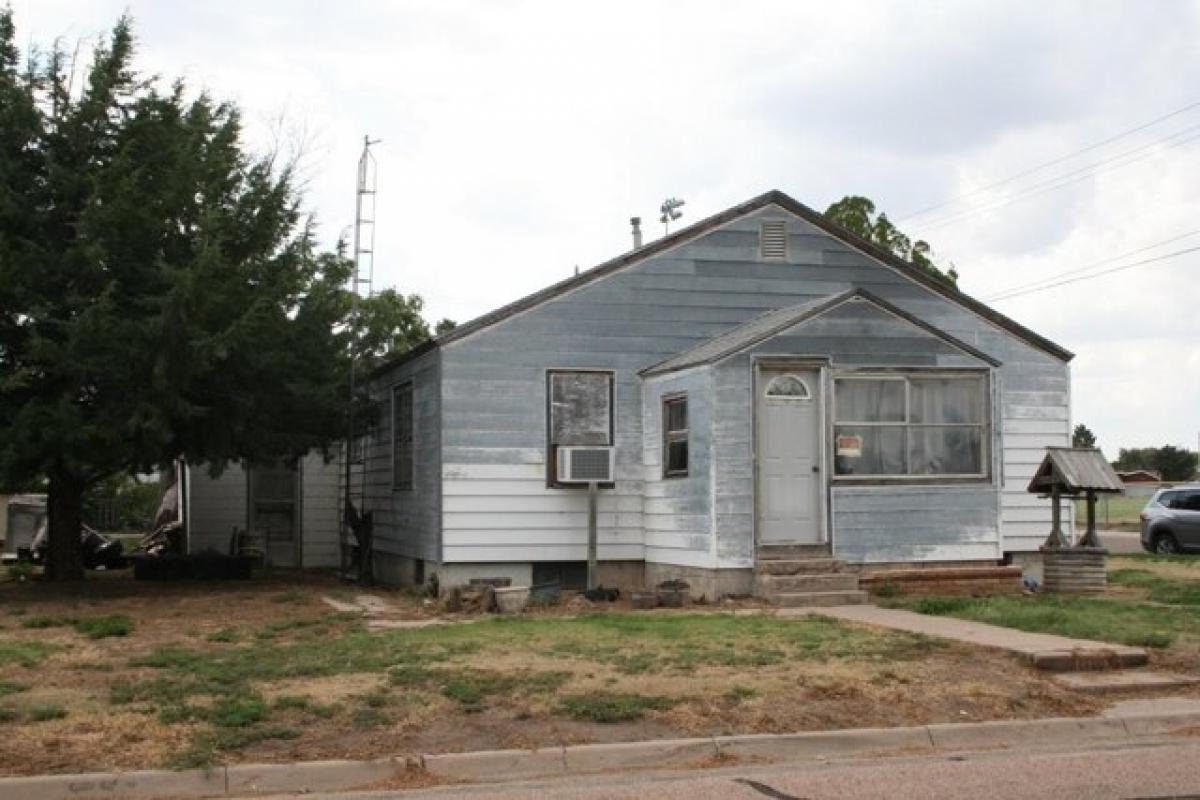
[(494, 766)]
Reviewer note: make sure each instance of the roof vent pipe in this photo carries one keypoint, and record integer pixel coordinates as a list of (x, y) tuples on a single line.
[(636, 222)]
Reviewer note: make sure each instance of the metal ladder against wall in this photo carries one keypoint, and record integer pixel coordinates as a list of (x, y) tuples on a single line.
[(357, 495)]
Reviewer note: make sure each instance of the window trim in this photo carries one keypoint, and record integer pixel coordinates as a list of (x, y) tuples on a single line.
[(551, 456), (986, 426), (674, 436), (397, 389)]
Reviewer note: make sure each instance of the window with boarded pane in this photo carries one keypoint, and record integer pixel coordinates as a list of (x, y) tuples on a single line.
[(579, 412), (402, 436), (911, 426), (675, 436)]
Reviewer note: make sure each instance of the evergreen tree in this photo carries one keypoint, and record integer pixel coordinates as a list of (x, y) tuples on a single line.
[(1082, 436), (160, 294)]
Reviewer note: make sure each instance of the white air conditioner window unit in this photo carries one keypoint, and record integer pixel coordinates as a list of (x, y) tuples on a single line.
[(585, 465)]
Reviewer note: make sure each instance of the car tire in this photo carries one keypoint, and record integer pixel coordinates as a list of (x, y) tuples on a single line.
[(1165, 544)]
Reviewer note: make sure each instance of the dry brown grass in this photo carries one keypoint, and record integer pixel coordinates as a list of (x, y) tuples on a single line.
[(323, 688)]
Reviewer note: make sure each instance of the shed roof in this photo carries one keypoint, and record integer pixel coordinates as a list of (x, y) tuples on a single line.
[(1075, 469), (774, 197), (765, 326)]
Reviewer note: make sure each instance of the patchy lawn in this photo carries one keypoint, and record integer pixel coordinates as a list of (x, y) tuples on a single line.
[(114, 674), (1153, 601)]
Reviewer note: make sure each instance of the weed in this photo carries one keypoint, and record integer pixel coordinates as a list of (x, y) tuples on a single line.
[(368, 718), (39, 621), (25, 654), (287, 702), (887, 588), (47, 711), (223, 635), (103, 627), (237, 713), (738, 693), (604, 707)]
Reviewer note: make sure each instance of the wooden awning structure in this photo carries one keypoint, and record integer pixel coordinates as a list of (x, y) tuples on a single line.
[(1072, 472), (1075, 471)]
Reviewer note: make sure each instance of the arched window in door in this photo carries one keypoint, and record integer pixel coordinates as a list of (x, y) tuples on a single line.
[(788, 387)]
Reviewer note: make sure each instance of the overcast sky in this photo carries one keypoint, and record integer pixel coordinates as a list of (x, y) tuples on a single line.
[(518, 138)]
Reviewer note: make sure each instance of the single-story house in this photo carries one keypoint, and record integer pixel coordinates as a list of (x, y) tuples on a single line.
[(762, 378)]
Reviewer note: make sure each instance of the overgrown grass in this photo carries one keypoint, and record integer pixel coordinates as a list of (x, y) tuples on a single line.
[(105, 626), (606, 707), (1159, 589), (91, 627), (25, 654), (1101, 618)]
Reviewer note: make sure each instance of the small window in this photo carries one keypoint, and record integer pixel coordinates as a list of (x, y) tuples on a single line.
[(402, 437), (675, 436), (788, 387), (773, 239), (579, 412)]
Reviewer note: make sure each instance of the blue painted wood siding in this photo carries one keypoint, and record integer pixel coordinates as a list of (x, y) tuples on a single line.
[(496, 504)]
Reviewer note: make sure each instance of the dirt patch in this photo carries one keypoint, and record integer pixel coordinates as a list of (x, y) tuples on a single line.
[(266, 671)]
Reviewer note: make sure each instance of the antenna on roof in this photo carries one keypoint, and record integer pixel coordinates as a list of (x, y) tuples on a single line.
[(670, 212)]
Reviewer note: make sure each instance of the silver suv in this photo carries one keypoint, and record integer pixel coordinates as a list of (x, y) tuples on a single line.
[(1171, 520)]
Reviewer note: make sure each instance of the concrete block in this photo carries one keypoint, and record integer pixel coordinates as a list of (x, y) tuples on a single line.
[(118, 785), (312, 776), (821, 744), (1122, 680), (639, 755), (497, 765), (1008, 733)]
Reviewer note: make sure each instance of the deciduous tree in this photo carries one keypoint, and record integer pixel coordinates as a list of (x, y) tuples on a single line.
[(858, 215)]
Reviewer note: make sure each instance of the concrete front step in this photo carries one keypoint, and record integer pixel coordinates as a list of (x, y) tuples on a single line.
[(795, 566), (787, 551), (809, 599), (767, 585)]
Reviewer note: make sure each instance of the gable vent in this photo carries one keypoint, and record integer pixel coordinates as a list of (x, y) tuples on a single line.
[(773, 238)]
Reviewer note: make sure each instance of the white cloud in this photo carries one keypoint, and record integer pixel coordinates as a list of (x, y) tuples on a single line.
[(519, 137)]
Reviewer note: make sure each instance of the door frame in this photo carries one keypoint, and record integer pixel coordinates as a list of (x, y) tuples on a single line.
[(298, 513), (822, 366)]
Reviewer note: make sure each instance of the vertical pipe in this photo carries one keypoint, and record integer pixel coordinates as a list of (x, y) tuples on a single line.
[(591, 544)]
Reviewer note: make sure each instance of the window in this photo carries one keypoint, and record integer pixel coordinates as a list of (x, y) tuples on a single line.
[(910, 426), (788, 387), (402, 437), (675, 436), (579, 412)]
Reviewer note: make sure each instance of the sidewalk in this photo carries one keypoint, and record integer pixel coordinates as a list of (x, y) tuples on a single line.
[(1042, 650)]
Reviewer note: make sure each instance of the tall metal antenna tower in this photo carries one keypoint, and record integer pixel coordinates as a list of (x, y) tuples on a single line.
[(358, 524), (364, 220)]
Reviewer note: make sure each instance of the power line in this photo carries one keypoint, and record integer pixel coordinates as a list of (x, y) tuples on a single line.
[(1025, 286), (1050, 163), (1066, 179), (1153, 260)]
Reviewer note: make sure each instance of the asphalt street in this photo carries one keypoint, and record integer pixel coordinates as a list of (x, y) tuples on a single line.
[(1151, 769)]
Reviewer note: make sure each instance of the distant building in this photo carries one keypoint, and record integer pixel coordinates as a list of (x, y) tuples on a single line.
[(1140, 476)]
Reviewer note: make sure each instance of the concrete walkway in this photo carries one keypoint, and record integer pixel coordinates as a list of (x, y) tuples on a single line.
[(1042, 650)]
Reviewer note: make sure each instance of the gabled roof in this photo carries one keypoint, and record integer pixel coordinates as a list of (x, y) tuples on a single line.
[(775, 322), (773, 197), (1075, 469)]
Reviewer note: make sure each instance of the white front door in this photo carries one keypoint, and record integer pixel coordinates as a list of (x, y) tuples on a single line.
[(790, 476)]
